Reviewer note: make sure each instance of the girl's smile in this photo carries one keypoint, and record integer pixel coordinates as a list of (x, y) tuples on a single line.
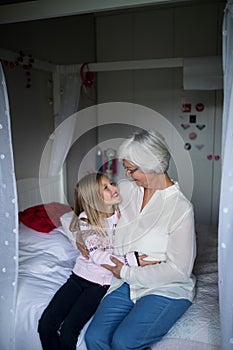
[(109, 192)]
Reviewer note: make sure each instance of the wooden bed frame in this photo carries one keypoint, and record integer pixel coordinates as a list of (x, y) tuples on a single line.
[(33, 191)]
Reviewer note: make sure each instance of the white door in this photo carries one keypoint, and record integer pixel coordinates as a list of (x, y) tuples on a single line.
[(197, 117)]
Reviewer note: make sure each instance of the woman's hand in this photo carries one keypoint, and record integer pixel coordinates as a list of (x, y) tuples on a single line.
[(143, 262), (116, 270), (83, 249)]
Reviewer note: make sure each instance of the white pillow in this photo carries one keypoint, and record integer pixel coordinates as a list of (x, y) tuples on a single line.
[(45, 257), (65, 221)]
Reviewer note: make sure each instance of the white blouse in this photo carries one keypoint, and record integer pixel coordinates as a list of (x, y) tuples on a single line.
[(164, 230)]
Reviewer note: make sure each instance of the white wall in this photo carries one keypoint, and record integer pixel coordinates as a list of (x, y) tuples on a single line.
[(63, 41), (181, 30), (31, 118)]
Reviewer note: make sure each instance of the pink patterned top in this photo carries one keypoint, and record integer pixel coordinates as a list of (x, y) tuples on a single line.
[(100, 250)]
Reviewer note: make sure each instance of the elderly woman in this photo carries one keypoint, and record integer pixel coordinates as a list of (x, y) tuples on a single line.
[(143, 303)]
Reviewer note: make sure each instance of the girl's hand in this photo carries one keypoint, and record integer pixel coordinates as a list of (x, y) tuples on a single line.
[(83, 249), (116, 270), (146, 262)]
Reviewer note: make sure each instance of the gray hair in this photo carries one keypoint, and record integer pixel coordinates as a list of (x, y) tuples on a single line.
[(147, 150)]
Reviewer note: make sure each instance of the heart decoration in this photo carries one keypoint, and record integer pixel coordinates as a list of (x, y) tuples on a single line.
[(185, 126), (200, 126), (199, 147), (192, 135)]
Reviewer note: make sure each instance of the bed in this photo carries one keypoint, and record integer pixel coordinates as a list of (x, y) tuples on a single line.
[(46, 260)]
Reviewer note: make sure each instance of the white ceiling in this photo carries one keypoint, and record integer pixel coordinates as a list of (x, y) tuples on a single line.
[(12, 11)]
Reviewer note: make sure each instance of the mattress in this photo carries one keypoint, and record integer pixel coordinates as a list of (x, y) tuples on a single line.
[(46, 261)]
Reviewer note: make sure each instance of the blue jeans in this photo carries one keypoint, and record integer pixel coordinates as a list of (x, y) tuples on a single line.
[(120, 324)]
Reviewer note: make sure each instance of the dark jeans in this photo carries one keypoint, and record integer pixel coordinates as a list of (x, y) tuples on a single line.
[(68, 311)]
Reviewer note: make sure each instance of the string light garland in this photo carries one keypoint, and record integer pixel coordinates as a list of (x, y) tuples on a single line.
[(26, 62)]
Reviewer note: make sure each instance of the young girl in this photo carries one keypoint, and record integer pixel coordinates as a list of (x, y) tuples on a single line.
[(94, 220)]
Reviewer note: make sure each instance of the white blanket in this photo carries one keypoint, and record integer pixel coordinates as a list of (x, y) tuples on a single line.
[(46, 261)]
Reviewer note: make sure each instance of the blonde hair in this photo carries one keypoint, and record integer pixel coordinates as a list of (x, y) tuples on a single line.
[(88, 199), (148, 150)]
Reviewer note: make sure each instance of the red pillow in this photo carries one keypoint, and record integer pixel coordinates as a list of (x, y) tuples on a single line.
[(44, 217)]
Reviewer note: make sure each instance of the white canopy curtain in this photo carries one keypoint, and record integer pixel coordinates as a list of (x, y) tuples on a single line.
[(66, 99), (9, 225), (226, 199)]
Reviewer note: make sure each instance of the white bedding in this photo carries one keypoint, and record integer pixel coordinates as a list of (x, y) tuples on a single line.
[(46, 261)]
